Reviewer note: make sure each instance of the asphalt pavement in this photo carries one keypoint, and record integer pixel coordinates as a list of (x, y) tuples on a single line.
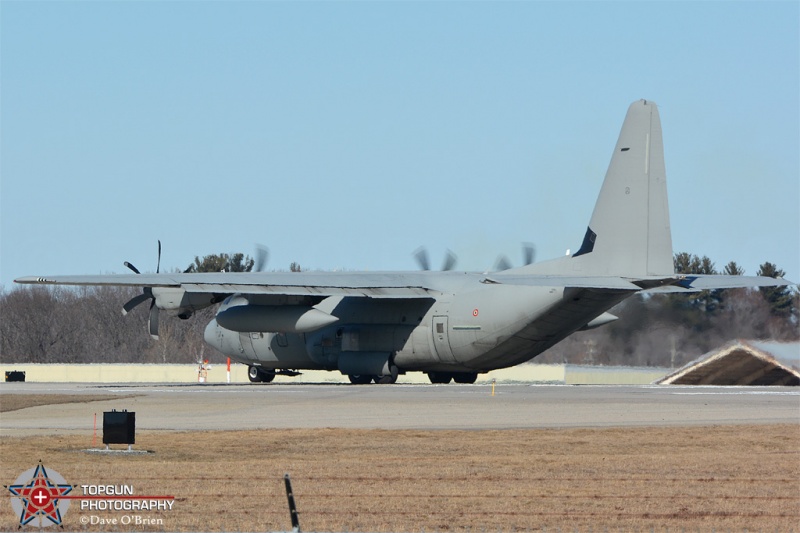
[(264, 406)]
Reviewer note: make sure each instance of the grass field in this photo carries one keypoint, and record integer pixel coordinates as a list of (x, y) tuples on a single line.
[(722, 478)]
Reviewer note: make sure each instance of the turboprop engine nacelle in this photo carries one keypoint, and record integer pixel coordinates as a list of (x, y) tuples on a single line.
[(180, 303), (273, 318)]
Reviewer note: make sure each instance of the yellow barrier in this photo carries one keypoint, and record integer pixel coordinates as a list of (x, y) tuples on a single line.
[(217, 373)]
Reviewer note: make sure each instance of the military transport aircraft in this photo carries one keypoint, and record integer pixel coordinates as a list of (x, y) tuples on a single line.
[(451, 325)]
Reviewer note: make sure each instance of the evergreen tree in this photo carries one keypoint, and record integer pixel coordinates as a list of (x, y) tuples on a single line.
[(685, 263), (705, 301), (237, 262), (780, 299), (723, 295), (732, 269)]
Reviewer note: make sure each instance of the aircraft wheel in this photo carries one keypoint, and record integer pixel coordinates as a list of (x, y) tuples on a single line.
[(386, 380), (465, 377), (440, 378), (356, 379), (255, 375), (267, 377)]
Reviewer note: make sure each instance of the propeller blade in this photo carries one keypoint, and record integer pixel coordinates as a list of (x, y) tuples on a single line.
[(147, 294), (421, 255), (528, 253), (153, 322), (449, 261), (502, 263), (262, 255), (133, 302)]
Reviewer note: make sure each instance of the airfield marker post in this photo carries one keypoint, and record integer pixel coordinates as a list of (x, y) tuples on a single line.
[(292, 507), (229, 369), (493, 382)]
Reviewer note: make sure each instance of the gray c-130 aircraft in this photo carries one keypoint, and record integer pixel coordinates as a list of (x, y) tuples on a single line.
[(451, 325)]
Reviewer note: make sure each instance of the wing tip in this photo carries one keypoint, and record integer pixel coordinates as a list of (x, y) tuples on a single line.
[(29, 280)]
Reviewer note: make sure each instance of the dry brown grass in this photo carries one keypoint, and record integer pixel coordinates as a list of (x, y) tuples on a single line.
[(641, 479), (13, 402)]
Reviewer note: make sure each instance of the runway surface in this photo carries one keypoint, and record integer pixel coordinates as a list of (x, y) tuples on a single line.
[(263, 406)]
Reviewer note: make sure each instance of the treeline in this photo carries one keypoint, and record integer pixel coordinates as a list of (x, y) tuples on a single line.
[(40, 324), (86, 325)]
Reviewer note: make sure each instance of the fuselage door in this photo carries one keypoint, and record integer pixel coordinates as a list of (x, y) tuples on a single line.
[(247, 344), (441, 341)]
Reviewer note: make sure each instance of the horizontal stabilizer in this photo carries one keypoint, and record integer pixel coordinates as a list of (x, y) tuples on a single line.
[(703, 282), (677, 283)]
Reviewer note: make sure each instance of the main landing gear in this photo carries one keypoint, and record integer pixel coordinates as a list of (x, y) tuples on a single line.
[(365, 379), (256, 375), (458, 377)]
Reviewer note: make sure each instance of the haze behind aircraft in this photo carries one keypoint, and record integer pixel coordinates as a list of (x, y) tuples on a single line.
[(451, 325)]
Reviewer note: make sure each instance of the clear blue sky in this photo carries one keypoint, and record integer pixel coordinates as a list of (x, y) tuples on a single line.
[(346, 134)]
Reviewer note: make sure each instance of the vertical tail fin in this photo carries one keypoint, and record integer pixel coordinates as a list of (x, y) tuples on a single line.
[(629, 233)]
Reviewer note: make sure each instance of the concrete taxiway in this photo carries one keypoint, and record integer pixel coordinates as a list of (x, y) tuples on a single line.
[(264, 406)]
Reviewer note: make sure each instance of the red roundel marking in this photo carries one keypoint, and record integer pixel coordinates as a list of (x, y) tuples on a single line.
[(474, 312)]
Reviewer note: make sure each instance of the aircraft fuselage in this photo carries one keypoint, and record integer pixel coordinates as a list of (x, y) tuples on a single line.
[(471, 326)]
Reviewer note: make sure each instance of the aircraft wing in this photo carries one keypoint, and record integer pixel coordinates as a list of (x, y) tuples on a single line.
[(391, 284), (375, 285), (379, 284), (587, 282)]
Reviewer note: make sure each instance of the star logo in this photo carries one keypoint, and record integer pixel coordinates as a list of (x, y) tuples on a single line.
[(36, 497)]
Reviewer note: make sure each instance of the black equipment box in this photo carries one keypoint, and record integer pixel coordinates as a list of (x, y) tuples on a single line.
[(15, 375), (119, 427)]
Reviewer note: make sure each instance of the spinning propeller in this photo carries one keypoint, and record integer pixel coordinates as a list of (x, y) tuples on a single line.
[(262, 255), (502, 262), (421, 255), (147, 294), (528, 255)]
